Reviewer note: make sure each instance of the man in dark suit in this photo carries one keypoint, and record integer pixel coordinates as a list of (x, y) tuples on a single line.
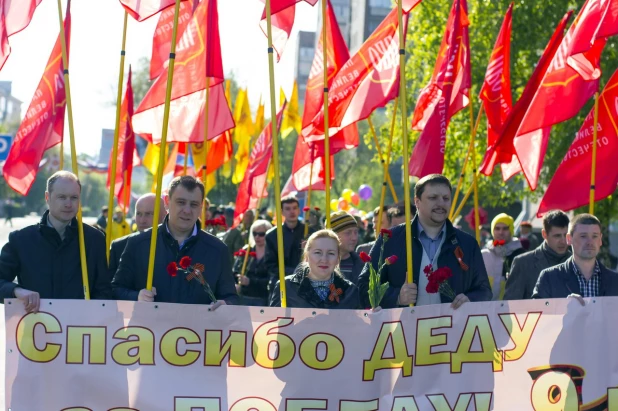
[(582, 275), (144, 212), (553, 251)]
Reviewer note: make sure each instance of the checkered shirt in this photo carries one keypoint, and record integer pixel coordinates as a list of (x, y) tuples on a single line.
[(589, 288)]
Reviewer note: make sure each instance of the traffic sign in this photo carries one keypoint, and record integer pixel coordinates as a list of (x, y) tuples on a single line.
[(5, 146)]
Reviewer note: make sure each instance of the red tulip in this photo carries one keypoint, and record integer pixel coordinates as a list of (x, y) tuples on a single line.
[(306, 208), (365, 257), (391, 260), (386, 232)]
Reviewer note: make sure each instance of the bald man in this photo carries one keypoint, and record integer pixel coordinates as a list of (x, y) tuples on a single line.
[(144, 213)]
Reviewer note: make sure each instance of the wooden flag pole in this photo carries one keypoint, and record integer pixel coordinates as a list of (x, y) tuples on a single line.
[(386, 163), (404, 136), (326, 131), (593, 169), (61, 157), (80, 227), (465, 165), (275, 148), (206, 144), (186, 159), (379, 150), (166, 118), (477, 228), (112, 179)]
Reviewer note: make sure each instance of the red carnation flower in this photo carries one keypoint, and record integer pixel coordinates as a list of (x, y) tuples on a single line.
[(236, 254), (172, 269), (316, 208), (185, 262), (386, 232), (241, 253), (428, 269), (432, 287), (365, 257), (253, 254), (305, 209), (391, 260)]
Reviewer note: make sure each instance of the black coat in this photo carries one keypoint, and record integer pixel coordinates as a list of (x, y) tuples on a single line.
[(292, 249), (357, 268), (203, 248), (115, 252), (257, 274), (474, 282), (300, 293), (44, 263), (560, 281)]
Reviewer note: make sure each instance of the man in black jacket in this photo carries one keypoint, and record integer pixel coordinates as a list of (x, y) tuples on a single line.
[(45, 257), (436, 244), (179, 236), (346, 228), (582, 275), (144, 213)]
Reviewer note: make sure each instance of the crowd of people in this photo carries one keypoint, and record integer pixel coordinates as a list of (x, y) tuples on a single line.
[(204, 262)]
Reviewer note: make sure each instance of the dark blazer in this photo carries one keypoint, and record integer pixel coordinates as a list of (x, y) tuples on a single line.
[(560, 281), (292, 249), (256, 271), (473, 282), (115, 251), (45, 263), (300, 293), (203, 248), (524, 274)]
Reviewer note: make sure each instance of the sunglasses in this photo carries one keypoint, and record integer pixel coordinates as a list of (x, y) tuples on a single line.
[(262, 234)]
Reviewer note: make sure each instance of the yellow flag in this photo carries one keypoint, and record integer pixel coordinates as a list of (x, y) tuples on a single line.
[(211, 182), (291, 118), (151, 158), (258, 126), (242, 117)]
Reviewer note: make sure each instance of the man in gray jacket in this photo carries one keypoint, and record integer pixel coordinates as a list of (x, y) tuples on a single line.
[(553, 251)]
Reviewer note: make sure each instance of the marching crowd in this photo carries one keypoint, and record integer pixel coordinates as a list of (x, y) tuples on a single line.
[(198, 263)]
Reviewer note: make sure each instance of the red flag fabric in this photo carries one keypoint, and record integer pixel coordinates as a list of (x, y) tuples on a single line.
[(252, 186), (43, 125), (199, 58), (162, 39), (496, 90), (127, 156), (282, 14), (570, 186), (369, 80), (503, 151), (140, 10), (408, 5), (445, 95), (16, 16), (599, 19)]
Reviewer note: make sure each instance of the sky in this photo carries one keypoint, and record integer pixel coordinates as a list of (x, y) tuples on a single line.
[(95, 56)]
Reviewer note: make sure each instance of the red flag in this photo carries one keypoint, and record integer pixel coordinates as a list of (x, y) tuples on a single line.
[(252, 186), (445, 95), (570, 186), (43, 125), (282, 20), (127, 156), (198, 59), (599, 20), (369, 80), (503, 151), (140, 10), (16, 16), (496, 90), (162, 39), (408, 5)]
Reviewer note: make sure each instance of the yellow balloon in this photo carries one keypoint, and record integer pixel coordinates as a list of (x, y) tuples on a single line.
[(334, 204), (347, 195)]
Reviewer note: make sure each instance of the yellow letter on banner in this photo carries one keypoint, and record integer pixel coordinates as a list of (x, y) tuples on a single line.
[(520, 335), (489, 353), (440, 403), (204, 404), (97, 337), (25, 337), (426, 339), (216, 351), (169, 347), (266, 335), (309, 351), (253, 404), (144, 346), (304, 405), (554, 391), (404, 404), (612, 399), (389, 332), (358, 405)]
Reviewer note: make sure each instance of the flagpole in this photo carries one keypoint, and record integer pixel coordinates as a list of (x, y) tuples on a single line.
[(386, 164), (463, 201), (80, 227), (377, 143), (326, 131), (112, 175), (309, 193), (275, 148), (184, 166), (404, 133), (162, 160), (477, 230), (593, 169), (61, 158), (205, 168), (465, 165), (127, 191)]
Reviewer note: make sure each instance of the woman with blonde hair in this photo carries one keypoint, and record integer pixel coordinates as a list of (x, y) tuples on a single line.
[(317, 282), (253, 285)]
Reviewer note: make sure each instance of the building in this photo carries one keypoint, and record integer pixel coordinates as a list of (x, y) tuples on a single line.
[(305, 51), (343, 14), (365, 17), (107, 142), (10, 107)]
